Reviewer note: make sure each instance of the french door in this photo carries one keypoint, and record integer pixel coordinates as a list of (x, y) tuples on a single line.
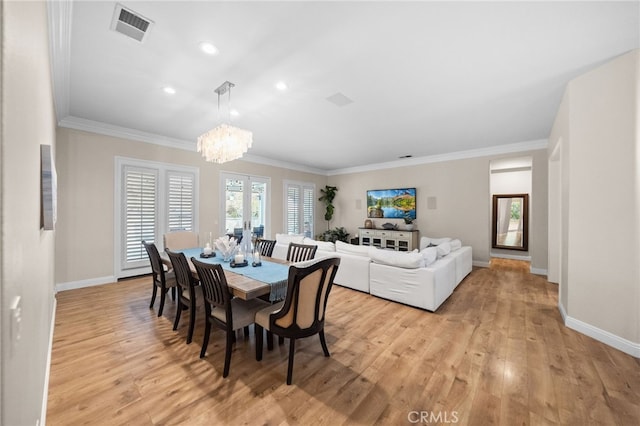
[(245, 205)]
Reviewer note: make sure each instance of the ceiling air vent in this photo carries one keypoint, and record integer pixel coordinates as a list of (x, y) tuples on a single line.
[(130, 23)]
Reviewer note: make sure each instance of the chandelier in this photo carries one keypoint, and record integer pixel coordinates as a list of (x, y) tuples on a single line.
[(225, 142)]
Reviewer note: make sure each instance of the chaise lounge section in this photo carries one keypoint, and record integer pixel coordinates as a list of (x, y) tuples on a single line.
[(423, 279)]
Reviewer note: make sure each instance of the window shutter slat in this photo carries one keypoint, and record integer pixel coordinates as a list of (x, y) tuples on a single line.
[(140, 212), (181, 201)]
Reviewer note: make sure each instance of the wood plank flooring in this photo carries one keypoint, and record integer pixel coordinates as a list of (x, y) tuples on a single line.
[(496, 352)]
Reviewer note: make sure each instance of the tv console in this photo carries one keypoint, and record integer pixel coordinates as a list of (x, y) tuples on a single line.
[(390, 238)]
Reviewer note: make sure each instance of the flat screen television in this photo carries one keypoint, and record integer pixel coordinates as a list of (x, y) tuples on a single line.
[(391, 203)]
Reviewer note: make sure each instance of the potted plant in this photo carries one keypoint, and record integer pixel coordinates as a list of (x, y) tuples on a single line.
[(328, 194), (408, 222), (333, 235)]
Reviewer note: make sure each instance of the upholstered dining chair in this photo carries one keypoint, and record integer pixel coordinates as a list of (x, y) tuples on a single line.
[(265, 247), (300, 252), (178, 240), (302, 313), (222, 309), (186, 290), (161, 280)]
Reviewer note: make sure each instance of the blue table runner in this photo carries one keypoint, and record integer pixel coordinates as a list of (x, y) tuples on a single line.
[(274, 274)]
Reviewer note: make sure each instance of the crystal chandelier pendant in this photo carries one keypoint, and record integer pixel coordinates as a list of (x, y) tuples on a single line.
[(225, 142)]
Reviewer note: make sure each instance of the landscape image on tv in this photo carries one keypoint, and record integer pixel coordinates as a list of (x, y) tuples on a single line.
[(391, 203)]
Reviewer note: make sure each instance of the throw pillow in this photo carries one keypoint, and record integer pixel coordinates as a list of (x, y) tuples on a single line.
[(400, 259), (342, 247), (443, 249), (427, 241), (430, 254)]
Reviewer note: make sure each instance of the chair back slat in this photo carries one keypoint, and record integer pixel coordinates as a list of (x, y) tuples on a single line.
[(265, 247), (306, 301), (214, 283), (301, 252), (183, 274), (154, 257)]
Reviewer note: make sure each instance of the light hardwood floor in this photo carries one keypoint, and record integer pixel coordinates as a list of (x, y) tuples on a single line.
[(496, 352)]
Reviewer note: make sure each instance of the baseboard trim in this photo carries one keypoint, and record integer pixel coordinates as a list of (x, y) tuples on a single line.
[(538, 271), (45, 393), (600, 335), (511, 256), (85, 283), (480, 264)]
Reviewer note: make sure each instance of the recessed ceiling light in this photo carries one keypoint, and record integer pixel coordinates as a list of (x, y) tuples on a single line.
[(208, 48), (234, 112), (169, 90), (281, 85)]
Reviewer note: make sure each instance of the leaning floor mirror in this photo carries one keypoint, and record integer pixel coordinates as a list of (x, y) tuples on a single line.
[(510, 222)]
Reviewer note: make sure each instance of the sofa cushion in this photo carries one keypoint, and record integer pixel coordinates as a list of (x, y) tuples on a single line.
[(430, 255), (428, 241), (455, 244), (322, 245), (443, 249), (400, 259), (342, 247), (289, 238)]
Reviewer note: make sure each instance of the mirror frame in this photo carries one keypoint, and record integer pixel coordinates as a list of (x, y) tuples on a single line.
[(525, 222)]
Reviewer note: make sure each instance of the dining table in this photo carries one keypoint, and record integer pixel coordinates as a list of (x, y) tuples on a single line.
[(246, 282)]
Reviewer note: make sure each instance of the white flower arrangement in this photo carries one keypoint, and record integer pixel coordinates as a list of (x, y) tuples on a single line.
[(226, 246)]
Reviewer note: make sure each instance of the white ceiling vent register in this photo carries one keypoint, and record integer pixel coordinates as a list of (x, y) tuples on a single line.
[(130, 23)]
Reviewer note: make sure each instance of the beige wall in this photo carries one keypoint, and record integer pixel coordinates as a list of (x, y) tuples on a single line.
[(463, 209), (600, 216), (86, 163), (27, 252)]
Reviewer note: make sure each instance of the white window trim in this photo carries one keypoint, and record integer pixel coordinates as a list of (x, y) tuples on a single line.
[(162, 218)]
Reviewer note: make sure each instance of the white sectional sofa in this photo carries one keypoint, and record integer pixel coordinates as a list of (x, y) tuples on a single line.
[(354, 260), (424, 279)]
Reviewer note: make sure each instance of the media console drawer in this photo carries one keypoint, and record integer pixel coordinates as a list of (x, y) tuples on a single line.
[(390, 239)]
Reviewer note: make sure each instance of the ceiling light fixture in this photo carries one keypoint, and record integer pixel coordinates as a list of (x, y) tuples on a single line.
[(225, 142), (281, 85), (208, 48), (169, 90)]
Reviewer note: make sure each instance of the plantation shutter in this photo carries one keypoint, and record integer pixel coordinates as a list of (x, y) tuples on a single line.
[(300, 205), (181, 199), (140, 194), (293, 209), (308, 204)]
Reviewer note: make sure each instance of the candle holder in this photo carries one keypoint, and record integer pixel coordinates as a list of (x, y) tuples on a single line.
[(257, 261)]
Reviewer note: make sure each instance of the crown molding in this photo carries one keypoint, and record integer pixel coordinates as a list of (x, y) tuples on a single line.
[(283, 164), (98, 127), (137, 135), (459, 155), (59, 14)]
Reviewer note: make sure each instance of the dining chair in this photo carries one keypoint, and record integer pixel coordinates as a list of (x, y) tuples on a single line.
[(302, 313), (222, 309), (265, 247), (186, 290), (178, 240), (163, 280), (258, 231), (301, 252), (237, 233)]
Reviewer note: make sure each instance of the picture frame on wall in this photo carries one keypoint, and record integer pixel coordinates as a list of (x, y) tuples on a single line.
[(48, 189), (395, 203)]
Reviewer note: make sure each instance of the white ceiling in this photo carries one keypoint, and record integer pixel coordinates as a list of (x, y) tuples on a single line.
[(426, 78)]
